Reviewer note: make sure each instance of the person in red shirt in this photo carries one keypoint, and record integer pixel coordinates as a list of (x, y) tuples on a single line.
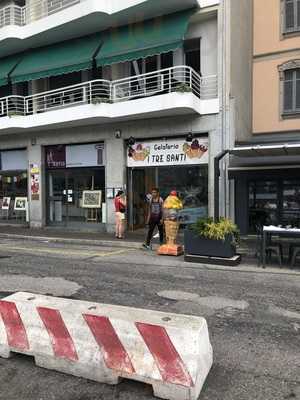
[(120, 209)]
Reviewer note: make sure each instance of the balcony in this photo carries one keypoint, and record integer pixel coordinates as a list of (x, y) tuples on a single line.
[(168, 92), (11, 15), (20, 16), (44, 21)]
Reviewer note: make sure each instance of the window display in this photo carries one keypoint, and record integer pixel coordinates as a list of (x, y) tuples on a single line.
[(274, 202), (13, 184), (69, 192)]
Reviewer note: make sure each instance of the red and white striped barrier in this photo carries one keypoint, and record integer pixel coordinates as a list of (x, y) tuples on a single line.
[(103, 342)]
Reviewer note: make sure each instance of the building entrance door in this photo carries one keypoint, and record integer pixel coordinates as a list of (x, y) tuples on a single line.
[(65, 195), (191, 183), (141, 181), (56, 187)]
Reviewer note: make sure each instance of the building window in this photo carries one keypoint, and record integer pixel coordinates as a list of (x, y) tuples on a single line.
[(192, 54), (291, 91), (290, 87), (291, 20)]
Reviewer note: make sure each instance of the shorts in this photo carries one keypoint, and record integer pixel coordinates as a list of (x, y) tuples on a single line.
[(120, 216)]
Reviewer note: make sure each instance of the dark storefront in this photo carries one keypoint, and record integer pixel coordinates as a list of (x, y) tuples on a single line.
[(267, 197), (75, 174), (267, 185)]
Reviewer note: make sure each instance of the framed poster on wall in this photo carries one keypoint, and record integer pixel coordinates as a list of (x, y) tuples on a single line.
[(6, 203), (35, 181), (91, 199), (20, 204)]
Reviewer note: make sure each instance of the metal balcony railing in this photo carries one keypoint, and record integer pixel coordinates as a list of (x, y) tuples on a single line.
[(38, 9), (35, 10), (11, 15), (12, 106), (180, 79)]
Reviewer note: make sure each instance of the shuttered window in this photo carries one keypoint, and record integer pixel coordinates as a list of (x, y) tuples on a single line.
[(291, 92), (291, 16)]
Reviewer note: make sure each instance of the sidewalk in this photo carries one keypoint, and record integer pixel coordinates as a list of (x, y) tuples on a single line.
[(133, 240)]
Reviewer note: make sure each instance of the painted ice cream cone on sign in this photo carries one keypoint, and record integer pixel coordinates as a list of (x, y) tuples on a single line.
[(195, 150), (171, 206), (139, 153)]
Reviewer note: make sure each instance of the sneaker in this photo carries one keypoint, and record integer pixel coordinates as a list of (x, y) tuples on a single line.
[(145, 246)]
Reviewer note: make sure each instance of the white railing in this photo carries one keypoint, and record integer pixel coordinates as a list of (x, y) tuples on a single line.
[(12, 106), (209, 87), (35, 10), (11, 15), (38, 9), (180, 79)]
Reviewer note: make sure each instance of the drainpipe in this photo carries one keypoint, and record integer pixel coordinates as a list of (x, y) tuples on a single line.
[(217, 160)]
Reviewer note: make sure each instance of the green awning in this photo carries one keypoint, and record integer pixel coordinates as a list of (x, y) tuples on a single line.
[(155, 36), (7, 64), (61, 58)]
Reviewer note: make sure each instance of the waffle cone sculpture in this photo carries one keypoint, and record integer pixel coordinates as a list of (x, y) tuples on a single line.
[(171, 229), (172, 205)]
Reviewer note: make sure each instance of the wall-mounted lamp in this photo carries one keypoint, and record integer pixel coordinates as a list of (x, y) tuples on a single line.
[(189, 137), (33, 141), (131, 141), (118, 134)]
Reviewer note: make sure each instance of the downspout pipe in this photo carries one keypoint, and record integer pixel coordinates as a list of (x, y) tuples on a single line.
[(217, 160)]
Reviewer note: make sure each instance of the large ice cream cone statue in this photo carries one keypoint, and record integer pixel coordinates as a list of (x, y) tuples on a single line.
[(171, 206)]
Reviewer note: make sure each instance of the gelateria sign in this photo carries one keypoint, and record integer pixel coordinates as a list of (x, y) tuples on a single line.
[(168, 152)]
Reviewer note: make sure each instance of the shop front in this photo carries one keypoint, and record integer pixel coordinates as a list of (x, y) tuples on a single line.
[(267, 197), (267, 185), (75, 179), (13, 186), (169, 164)]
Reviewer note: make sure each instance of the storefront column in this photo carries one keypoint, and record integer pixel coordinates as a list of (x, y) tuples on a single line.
[(35, 187), (214, 149), (115, 176)]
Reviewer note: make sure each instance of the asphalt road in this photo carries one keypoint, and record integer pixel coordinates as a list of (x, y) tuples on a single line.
[(253, 318)]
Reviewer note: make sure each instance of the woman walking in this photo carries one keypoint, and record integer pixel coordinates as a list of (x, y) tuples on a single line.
[(120, 209)]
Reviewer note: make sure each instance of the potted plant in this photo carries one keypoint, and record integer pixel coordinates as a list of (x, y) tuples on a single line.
[(99, 100), (13, 113), (183, 88), (212, 238)]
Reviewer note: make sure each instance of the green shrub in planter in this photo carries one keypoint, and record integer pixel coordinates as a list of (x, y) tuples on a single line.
[(212, 238), (183, 88), (216, 230), (100, 100), (14, 114)]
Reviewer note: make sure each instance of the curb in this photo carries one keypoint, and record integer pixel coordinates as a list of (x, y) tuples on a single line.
[(82, 242), (137, 245)]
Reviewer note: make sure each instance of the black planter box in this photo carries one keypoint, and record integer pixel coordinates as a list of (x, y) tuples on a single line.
[(196, 245)]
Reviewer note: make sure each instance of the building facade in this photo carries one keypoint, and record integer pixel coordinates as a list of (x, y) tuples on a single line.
[(95, 97), (265, 167)]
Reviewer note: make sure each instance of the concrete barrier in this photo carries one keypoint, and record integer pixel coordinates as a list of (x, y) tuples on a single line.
[(105, 343)]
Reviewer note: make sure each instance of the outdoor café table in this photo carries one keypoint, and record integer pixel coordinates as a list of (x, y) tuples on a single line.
[(268, 231)]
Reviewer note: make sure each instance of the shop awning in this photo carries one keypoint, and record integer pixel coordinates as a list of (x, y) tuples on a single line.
[(61, 58), (6, 66), (155, 36), (270, 150)]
